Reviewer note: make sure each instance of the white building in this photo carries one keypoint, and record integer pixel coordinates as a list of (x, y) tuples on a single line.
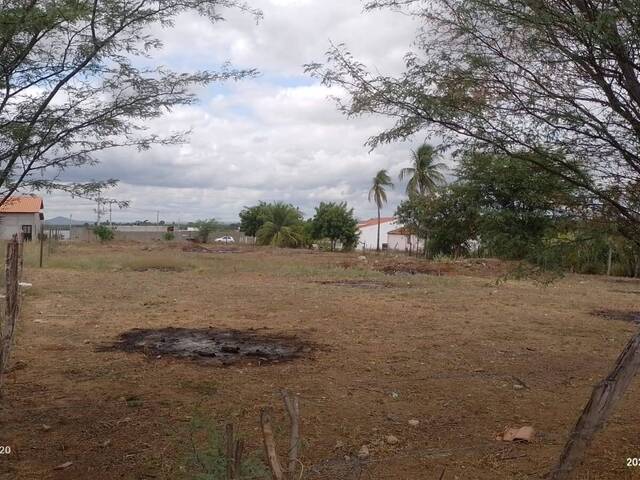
[(369, 232), (21, 214), (402, 239)]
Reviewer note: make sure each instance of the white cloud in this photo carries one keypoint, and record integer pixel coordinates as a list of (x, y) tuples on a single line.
[(275, 137)]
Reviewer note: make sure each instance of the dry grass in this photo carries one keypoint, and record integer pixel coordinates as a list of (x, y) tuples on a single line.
[(445, 350)]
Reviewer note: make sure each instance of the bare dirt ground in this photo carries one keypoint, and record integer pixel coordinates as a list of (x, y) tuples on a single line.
[(446, 346)]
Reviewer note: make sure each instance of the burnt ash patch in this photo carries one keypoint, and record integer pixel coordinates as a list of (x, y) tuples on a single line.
[(621, 315), (211, 346), (355, 283)]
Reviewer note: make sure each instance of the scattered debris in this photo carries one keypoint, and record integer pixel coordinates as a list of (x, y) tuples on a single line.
[(363, 452), (391, 439), (45, 427), (355, 283), (517, 434), (413, 422), (63, 466)]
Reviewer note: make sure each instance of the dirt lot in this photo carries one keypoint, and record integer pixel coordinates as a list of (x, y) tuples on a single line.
[(446, 346)]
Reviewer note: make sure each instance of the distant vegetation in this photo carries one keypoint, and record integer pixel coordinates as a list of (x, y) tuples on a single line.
[(206, 228), (281, 224), (103, 232)]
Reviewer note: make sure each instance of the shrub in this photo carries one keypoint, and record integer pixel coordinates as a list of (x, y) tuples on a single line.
[(103, 233), (168, 236)]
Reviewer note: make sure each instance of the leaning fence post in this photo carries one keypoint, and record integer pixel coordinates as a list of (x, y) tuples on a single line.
[(604, 398), (12, 303)]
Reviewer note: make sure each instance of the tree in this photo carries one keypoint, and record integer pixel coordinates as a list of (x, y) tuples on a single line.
[(424, 174), (252, 218), (281, 226), (72, 84), (553, 83), (336, 222), (206, 228), (512, 207), (379, 195), (517, 203), (413, 214)]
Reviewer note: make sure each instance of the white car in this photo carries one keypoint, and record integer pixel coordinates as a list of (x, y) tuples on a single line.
[(225, 239)]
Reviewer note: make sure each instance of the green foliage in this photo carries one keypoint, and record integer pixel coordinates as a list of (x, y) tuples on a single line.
[(206, 228), (378, 193), (508, 205), (424, 174), (548, 83), (103, 233), (282, 226), (336, 222), (206, 459), (169, 236), (251, 219)]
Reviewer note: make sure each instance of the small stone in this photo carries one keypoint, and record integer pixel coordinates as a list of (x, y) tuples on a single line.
[(391, 439), (62, 466), (339, 444), (395, 395), (414, 423), (363, 452), (46, 427), (517, 386)]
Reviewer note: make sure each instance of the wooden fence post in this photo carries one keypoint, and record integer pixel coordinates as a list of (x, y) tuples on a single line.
[(41, 243), (12, 303), (604, 397)]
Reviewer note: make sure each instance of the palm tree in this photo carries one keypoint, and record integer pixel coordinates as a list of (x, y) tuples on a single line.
[(282, 226), (424, 174), (379, 195)]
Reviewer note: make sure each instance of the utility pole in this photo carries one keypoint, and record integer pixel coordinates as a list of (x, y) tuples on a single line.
[(99, 209), (70, 221), (157, 217), (110, 213)]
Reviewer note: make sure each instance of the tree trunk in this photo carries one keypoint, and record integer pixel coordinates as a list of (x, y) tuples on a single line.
[(378, 247)]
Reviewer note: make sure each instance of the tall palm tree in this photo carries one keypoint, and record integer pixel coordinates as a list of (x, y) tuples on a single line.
[(424, 174), (379, 195), (282, 226)]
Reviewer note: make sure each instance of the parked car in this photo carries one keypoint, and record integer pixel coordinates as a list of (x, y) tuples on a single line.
[(225, 239)]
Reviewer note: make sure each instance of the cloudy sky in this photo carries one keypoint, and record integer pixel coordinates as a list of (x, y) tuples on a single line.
[(274, 137)]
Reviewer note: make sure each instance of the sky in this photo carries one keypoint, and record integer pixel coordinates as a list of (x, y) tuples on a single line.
[(277, 136)]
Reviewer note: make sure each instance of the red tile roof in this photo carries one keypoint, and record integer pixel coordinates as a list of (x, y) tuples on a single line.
[(374, 221), (401, 231), (22, 204)]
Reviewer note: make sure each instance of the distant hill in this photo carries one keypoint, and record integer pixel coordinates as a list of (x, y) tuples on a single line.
[(61, 221)]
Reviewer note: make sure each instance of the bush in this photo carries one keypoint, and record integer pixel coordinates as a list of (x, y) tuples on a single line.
[(169, 236), (103, 233)]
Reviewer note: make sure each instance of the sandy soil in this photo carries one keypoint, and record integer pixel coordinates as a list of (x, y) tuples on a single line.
[(461, 354)]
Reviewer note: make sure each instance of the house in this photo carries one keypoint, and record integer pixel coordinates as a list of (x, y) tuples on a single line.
[(21, 214), (369, 232), (404, 240)]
